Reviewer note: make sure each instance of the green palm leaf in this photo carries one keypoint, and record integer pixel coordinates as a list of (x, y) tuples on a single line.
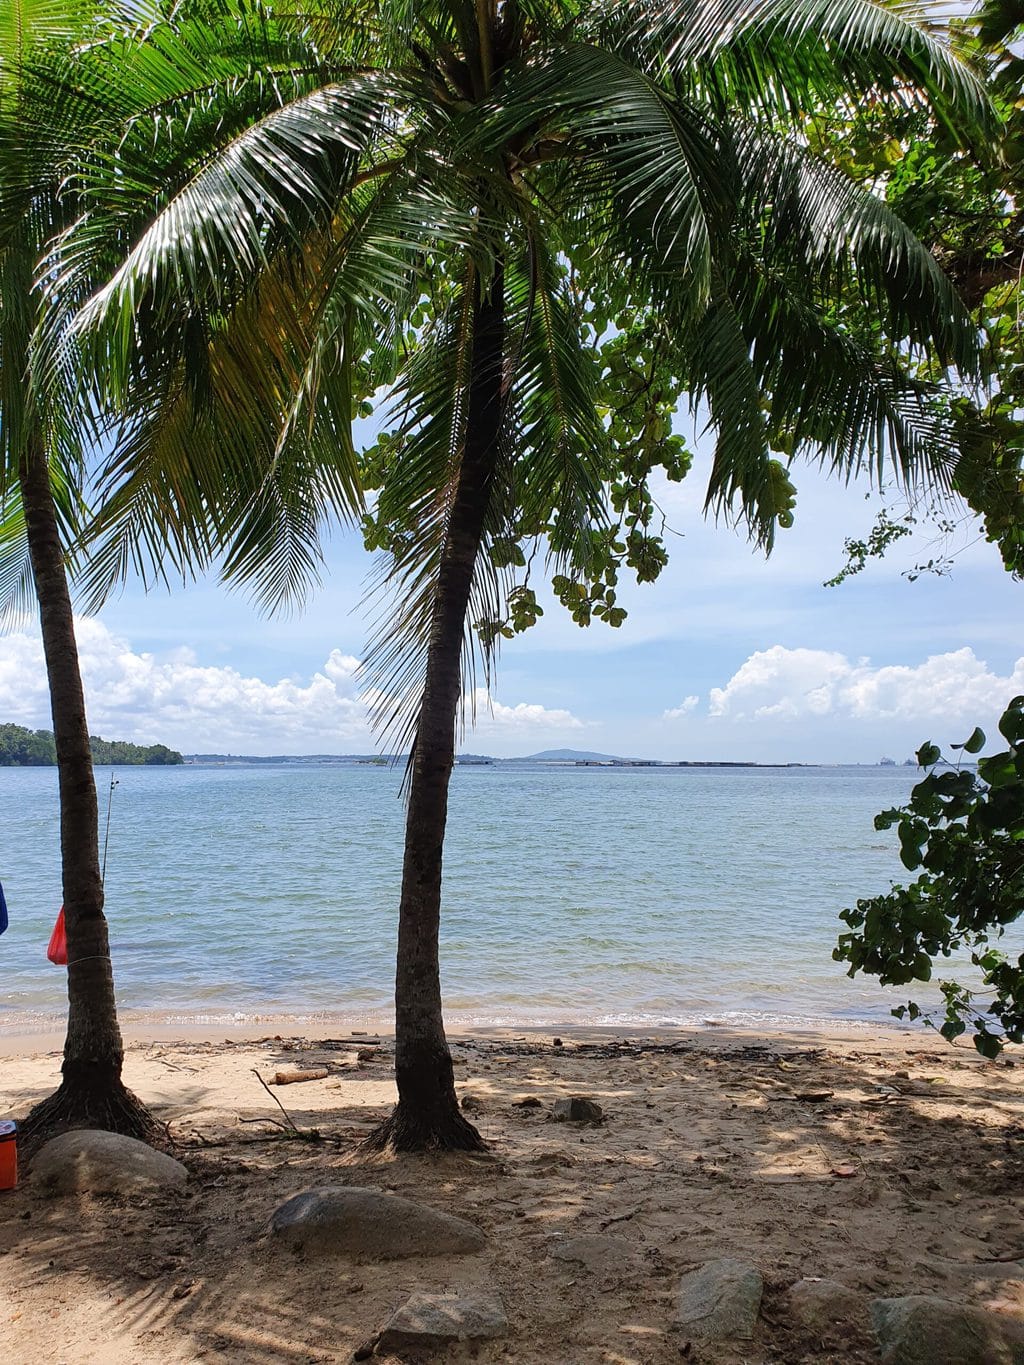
[(809, 212), (784, 55), (558, 446)]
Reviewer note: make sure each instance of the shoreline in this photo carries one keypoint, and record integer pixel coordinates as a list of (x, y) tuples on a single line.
[(31, 1038)]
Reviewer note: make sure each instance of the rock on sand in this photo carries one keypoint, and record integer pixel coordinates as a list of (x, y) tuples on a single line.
[(719, 1300), (432, 1320), (924, 1330), (91, 1160), (348, 1220)]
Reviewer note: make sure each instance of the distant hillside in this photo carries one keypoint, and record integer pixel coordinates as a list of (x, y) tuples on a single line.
[(219, 760), (22, 748), (570, 756)]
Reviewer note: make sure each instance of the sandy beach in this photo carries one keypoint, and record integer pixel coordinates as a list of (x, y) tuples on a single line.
[(888, 1161)]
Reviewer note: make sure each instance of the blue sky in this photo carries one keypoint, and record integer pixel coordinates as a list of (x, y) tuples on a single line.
[(728, 656)]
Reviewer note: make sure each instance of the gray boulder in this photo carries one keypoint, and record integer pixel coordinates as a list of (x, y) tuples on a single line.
[(819, 1305), (89, 1160), (428, 1321), (347, 1220), (924, 1330), (719, 1300)]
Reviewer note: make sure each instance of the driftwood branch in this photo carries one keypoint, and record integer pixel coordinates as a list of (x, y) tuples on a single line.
[(280, 1106)]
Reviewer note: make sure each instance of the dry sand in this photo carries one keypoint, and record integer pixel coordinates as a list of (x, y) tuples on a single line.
[(890, 1162)]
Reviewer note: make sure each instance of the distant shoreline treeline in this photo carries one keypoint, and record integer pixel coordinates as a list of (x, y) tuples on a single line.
[(22, 748)]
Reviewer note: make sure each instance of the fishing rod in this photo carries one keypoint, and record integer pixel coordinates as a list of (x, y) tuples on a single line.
[(106, 837)]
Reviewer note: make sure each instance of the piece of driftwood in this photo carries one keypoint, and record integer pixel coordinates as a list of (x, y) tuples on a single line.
[(314, 1073)]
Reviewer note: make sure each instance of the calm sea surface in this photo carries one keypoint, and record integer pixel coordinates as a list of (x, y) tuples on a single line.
[(631, 896)]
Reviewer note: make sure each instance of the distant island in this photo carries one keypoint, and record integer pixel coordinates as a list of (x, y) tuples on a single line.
[(580, 758), (22, 748)]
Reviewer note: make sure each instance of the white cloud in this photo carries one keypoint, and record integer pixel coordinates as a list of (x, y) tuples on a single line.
[(797, 684), (175, 700), (492, 716), (684, 708)]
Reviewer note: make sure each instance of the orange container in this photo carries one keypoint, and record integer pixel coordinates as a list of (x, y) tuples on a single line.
[(8, 1155)]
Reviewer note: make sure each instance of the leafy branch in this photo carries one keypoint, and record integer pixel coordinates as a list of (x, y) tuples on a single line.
[(964, 827)]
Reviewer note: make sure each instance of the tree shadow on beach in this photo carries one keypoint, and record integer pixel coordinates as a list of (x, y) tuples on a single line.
[(890, 1173)]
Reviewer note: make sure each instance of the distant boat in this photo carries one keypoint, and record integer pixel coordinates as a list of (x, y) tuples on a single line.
[(887, 763)]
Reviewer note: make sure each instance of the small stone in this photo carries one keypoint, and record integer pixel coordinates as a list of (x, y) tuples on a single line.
[(472, 1104), (820, 1304), (578, 1109), (528, 1102), (349, 1220), (434, 1320), (720, 1299), (366, 1054), (556, 1042), (924, 1330), (91, 1160), (605, 1256)]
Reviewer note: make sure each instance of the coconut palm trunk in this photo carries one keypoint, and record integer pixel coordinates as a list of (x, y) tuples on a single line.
[(427, 1115), (92, 1093)]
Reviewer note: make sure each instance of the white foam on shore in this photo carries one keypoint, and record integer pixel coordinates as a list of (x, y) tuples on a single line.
[(142, 1023)]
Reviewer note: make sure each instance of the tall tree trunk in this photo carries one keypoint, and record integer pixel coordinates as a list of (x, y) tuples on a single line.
[(92, 1093), (427, 1115)]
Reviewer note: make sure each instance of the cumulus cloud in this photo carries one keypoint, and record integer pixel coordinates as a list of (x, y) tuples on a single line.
[(684, 708), (176, 700), (492, 716), (796, 684)]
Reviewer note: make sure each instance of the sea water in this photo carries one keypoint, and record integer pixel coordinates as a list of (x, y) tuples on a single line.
[(633, 896)]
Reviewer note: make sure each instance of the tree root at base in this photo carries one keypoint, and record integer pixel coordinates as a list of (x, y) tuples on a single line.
[(403, 1131), (111, 1107)]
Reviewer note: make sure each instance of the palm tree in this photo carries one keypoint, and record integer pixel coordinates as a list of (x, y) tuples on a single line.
[(43, 428), (469, 204)]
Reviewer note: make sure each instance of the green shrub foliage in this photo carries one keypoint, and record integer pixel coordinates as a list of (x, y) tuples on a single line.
[(964, 828)]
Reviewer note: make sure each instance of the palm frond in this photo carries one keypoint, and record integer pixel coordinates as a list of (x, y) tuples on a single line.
[(783, 55), (26, 25), (723, 375), (805, 210), (284, 172), (861, 411), (255, 469), (17, 586), (561, 454), (645, 168)]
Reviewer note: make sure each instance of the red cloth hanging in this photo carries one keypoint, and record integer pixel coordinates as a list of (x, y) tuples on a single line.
[(57, 952)]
